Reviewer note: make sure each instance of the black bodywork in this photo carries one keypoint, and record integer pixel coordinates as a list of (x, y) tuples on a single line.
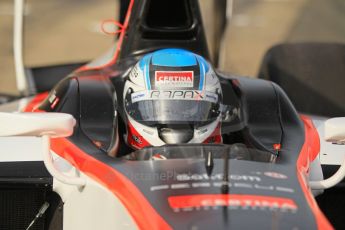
[(24, 188), (165, 24)]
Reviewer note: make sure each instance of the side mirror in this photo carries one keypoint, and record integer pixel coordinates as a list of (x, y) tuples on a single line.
[(335, 130), (45, 125), (335, 133), (36, 124)]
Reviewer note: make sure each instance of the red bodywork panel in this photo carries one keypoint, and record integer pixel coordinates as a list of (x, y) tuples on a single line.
[(309, 152)]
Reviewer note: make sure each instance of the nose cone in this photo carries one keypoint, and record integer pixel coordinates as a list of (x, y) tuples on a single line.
[(176, 136)]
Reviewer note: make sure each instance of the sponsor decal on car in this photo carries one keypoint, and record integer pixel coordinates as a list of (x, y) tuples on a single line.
[(232, 201), (197, 95), (217, 176), (164, 79), (239, 181), (138, 96), (275, 175)]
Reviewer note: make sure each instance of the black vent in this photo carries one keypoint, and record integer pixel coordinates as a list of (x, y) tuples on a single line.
[(19, 206), (158, 24), (171, 14)]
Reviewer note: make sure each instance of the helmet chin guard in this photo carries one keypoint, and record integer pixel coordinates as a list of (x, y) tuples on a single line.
[(176, 135)]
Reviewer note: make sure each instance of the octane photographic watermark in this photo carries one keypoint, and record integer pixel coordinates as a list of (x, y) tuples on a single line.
[(152, 176)]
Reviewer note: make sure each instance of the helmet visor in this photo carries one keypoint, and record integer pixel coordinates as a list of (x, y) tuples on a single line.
[(173, 107)]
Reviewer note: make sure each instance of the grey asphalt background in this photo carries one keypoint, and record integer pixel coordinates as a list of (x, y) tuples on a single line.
[(64, 31)]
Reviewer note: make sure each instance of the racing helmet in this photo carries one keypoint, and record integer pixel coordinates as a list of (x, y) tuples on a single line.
[(172, 96)]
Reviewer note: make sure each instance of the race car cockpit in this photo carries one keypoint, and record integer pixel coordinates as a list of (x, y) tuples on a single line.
[(173, 96)]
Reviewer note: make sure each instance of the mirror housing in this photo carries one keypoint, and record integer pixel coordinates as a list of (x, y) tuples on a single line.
[(335, 130), (36, 124), (45, 125)]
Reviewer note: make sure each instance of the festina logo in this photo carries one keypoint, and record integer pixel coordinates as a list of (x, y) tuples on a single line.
[(174, 78)]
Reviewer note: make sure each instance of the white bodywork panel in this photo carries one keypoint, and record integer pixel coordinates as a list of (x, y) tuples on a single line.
[(36, 124), (92, 207), (316, 174), (335, 130), (330, 154), (21, 149)]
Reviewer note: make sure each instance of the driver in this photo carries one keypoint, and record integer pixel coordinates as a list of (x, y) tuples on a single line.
[(172, 96)]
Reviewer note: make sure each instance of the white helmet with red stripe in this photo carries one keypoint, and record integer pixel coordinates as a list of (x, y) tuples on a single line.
[(172, 96)]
